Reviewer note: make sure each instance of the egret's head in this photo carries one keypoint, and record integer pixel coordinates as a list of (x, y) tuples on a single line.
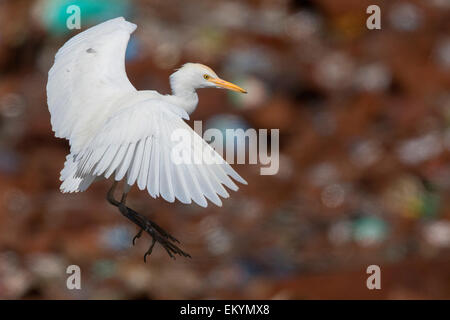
[(200, 76)]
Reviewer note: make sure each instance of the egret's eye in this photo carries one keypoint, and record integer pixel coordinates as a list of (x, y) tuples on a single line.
[(206, 77)]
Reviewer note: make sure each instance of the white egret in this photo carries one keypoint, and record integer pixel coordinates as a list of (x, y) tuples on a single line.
[(117, 131)]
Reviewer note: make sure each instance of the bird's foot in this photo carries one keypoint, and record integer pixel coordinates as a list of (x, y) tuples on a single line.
[(137, 236), (156, 232), (163, 238), (170, 248), (149, 251)]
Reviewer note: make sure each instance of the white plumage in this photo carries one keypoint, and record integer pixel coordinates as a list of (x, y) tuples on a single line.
[(116, 131)]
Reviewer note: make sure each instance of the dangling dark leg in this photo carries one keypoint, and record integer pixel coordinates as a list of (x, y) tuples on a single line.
[(155, 231), (114, 202)]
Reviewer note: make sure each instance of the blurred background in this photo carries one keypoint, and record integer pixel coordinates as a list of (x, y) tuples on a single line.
[(364, 119)]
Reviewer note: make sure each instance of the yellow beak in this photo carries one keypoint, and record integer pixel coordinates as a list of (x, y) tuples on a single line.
[(227, 85)]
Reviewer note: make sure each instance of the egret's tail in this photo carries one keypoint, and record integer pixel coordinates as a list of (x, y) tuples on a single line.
[(70, 181)]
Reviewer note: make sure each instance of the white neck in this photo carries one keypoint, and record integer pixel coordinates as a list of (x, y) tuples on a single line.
[(183, 93)]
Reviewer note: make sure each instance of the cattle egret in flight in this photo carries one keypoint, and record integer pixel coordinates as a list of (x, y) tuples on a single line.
[(117, 131)]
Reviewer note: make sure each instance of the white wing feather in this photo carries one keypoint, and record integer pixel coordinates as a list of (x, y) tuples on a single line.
[(142, 153), (87, 78)]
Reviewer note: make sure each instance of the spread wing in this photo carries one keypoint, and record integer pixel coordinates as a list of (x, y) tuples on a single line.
[(138, 144), (87, 77)]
